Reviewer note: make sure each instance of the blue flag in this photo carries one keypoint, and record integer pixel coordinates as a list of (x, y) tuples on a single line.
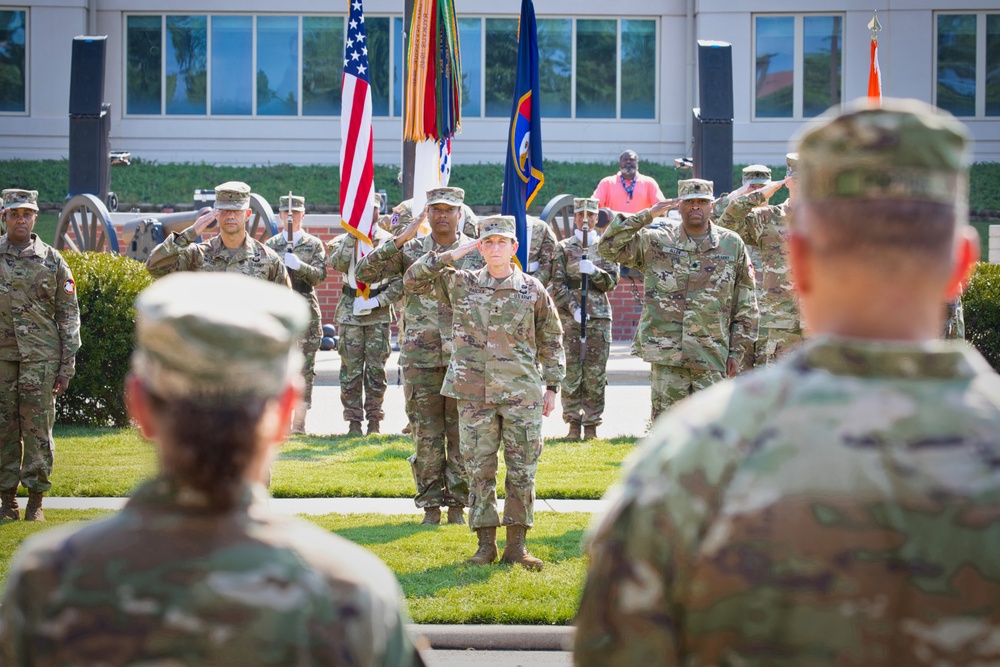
[(523, 177)]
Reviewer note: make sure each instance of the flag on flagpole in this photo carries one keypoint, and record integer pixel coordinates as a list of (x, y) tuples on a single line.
[(523, 174), (357, 184), (874, 71)]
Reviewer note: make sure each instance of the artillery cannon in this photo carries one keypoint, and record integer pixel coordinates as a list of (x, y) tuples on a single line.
[(86, 225)]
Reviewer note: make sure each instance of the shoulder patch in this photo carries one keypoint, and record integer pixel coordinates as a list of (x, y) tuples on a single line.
[(750, 271), (69, 286)]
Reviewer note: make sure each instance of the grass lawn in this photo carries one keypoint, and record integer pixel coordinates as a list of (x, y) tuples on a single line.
[(428, 562), (111, 462)]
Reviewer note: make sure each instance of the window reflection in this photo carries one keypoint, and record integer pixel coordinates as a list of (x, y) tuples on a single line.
[(822, 43), (638, 69), (377, 36), (186, 64), (145, 38), (555, 66), (232, 65), (277, 65), (501, 65), (322, 65), (774, 66), (470, 37), (595, 68), (993, 64), (956, 63), (13, 62)]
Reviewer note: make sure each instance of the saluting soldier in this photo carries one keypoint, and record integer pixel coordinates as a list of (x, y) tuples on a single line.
[(402, 216), (504, 372), (363, 324), (39, 339), (586, 376), (699, 318), (233, 249), (306, 264)]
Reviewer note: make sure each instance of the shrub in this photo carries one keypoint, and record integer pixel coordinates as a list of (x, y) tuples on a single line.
[(106, 289), (981, 303)]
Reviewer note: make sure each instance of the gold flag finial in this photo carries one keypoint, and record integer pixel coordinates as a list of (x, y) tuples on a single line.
[(874, 25)]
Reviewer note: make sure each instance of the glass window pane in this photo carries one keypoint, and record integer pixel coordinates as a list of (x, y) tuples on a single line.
[(145, 40), (186, 55), (774, 69), (470, 38), (993, 64), (13, 92), (595, 68), (555, 66), (277, 65), (397, 69), (638, 69), (377, 36), (956, 63), (232, 65), (501, 66), (322, 64), (822, 42)]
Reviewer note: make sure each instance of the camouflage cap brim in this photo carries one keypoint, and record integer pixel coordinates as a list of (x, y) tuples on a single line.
[(586, 204)]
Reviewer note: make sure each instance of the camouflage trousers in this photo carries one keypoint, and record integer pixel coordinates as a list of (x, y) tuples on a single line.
[(27, 412), (438, 469), (363, 352), (484, 426), (772, 344), (310, 346), (584, 385), (670, 384)]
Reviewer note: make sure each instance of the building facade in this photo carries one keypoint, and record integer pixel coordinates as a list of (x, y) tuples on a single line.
[(252, 83)]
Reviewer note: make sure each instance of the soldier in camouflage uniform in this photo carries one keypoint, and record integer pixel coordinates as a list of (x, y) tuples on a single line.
[(699, 318), (839, 507), (541, 250), (39, 338), (766, 227), (196, 569), (507, 348), (438, 470), (305, 264), (586, 376), (233, 249), (363, 325)]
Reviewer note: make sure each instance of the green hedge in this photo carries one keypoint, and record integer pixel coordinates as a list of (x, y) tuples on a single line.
[(981, 303), (106, 289)]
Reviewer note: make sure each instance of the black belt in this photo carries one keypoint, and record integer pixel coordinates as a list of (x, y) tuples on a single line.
[(302, 288), (373, 292), (574, 283)]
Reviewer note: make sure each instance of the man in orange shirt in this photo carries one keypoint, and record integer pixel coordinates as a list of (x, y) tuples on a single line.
[(628, 191)]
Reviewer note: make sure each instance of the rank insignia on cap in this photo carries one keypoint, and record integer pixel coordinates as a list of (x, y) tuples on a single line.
[(69, 286)]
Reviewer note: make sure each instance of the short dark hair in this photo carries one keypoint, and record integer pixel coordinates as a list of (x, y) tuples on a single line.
[(628, 152)]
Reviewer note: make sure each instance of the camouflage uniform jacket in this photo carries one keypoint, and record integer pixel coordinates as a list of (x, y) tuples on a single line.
[(179, 252), (504, 330), (427, 319), (837, 508), (402, 216), (700, 307), (766, 227), (167, 582), (541, 250), (566, 281), (39, 315), (309, 249), (388, 291)]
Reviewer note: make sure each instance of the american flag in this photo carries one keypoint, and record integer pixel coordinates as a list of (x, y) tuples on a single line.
[(357, 187)]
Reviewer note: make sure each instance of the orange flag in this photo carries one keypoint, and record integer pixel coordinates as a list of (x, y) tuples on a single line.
[(874, 72)]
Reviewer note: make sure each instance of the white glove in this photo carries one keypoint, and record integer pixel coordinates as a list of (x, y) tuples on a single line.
[(587, 267), (532, 267), (363, 306), (292, 262), (578, 316)]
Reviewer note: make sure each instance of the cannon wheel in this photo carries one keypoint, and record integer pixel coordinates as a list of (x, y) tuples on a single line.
[(558, 214), (261, 224), (85, 226)]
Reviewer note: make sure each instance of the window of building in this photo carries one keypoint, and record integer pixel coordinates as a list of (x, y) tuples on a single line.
[(967, 61), (13, 61), (798, 61)]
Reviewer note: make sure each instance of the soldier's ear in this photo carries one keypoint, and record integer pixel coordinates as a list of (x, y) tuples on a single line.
[(799, 261)]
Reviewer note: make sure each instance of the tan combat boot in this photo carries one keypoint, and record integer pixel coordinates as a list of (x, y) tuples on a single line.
[(487, 551), (33, 512), (9, 510), (456, 515), (590, 432), (299, 423), (354, 429), (373, 427), (574, 431), (432, 516), (516, 551)]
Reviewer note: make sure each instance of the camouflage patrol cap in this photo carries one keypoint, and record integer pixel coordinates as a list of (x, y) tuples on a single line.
[(792, 164), (695, 188), (497, 225), (756, 174), (222, 337), (298, 203), (232, 196), (586, 204), (377, 201), (905, 150), (449, 196), (17, 198)]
